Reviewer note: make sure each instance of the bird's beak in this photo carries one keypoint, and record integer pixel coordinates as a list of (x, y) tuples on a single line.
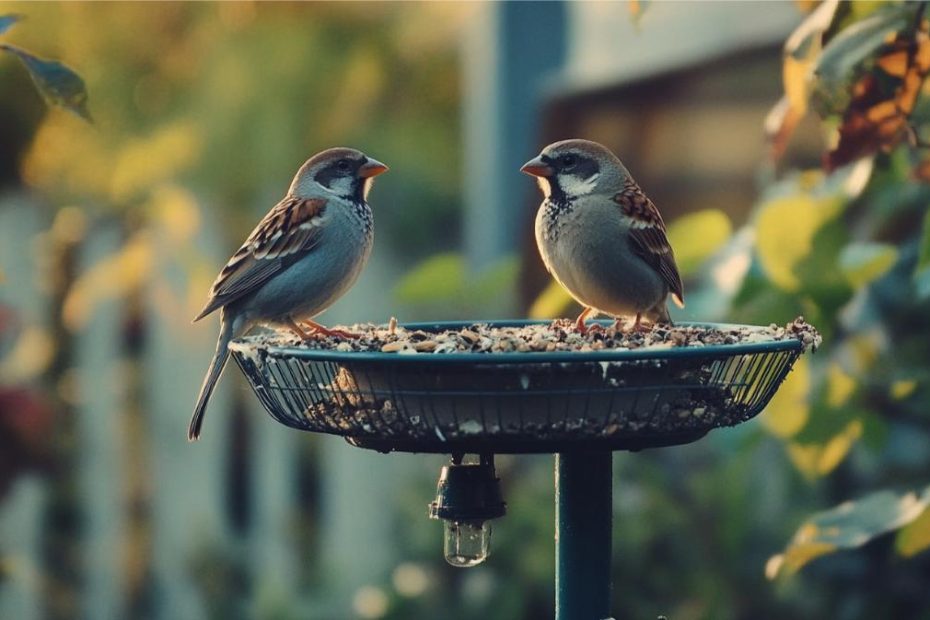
[(371, 168), (538, 168)]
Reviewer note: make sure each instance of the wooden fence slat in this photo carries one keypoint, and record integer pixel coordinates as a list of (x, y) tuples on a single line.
[(189, 479), (100, 456), (21, 511)]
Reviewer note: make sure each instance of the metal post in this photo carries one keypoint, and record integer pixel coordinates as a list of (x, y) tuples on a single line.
[(582, 535)]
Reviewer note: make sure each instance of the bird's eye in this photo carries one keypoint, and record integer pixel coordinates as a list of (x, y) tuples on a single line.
[(343, 165), (568, 161)]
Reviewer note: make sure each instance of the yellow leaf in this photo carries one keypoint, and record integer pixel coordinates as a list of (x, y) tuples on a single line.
[(862, 263), (144, 162), (840, 386), (69, 225), (29, 357), (551, 303), (696, 236), (915, 536), (788, 411), (792, 560), (114, 276), (903, 388), (785, 231), (175, 210), (800, 55), (815, 460)]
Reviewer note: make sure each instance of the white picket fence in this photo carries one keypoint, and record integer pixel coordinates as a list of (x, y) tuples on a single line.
[(185, 486)]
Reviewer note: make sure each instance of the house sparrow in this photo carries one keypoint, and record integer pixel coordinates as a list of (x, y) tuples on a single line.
[(303, 256), (600, 236)]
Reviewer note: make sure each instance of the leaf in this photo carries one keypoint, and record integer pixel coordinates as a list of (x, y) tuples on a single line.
[(902, 388), (497, 279), (877, 117), (915, 536), (551, 303), (816, 459), (696, 236), (799, 57), (863, 263), (438, 278), (848, 526), (840, 386), (922, 271), (785, 229), (57, 83), (127, 270), (30, 356), (7, 21), (788, 411), (859, 41)]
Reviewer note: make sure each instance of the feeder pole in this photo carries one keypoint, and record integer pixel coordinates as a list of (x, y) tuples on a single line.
[(583, 515)]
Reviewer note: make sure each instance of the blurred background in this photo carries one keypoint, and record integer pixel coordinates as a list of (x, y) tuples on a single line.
[(783, 142)]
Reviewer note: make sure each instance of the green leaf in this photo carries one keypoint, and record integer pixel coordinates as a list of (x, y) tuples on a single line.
[(438, 278), (863, 263), (848, 526), (696, 236), (915, 536), (497, 279), (785, 230), (922, 271), (58, 84), (923, 258), (854, 44), (6, 21)]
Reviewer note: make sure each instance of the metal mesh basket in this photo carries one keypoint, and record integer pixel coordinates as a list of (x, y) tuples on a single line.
[(515, 402)]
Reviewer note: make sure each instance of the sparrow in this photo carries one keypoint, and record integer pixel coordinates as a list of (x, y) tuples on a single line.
[(306, 252), (600, 236)]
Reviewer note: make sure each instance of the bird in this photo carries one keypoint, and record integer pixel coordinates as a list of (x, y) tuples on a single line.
[(303, 255), (601, 237)]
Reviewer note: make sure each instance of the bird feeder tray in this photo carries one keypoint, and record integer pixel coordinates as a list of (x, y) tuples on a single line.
[(520, 402)]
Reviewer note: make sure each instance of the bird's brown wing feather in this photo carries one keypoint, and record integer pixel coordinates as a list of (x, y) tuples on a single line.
[(648, 239), (289, 230)]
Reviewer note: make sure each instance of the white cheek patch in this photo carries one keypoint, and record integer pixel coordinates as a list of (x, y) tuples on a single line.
[(574, 187), (544, 186)]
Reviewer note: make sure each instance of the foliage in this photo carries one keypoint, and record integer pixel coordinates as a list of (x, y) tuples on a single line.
[(59, 84), (443, 286), (853, 524), (848, 247)]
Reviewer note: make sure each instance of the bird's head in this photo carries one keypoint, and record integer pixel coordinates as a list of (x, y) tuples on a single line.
[(574, 168), (344, 172)]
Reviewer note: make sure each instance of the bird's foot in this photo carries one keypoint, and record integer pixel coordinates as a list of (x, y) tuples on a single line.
[(315, 328), (580, 327)]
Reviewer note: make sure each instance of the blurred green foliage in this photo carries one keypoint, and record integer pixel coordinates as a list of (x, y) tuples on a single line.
[(847, 249), (203, 125), (58, 84)]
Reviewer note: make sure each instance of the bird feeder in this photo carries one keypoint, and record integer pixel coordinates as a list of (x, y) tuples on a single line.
[(579, 405)]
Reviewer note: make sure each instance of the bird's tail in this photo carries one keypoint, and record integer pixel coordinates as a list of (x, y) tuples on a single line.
[(227, 333)]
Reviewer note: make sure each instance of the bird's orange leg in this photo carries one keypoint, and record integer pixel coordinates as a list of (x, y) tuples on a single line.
[(579, 322), (638, 325), (319, 329), (294, 327)]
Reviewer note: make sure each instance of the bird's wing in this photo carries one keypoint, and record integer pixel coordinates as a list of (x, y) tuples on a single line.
[(648, 239), (292, 228)]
